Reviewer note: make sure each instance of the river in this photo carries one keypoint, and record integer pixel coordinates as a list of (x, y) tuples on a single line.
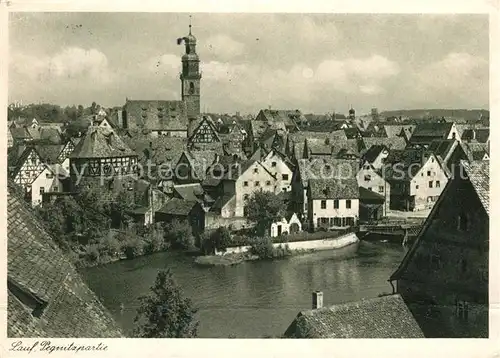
[(253, 299)]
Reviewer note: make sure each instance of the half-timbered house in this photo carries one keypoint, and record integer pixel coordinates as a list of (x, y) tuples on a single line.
[(204, 133), (101, 153)]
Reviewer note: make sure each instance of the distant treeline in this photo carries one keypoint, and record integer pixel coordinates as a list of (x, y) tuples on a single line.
[(426, 113), (46, 112)]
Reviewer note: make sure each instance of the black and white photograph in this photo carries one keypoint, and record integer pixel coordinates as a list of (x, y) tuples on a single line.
[(247, 175)]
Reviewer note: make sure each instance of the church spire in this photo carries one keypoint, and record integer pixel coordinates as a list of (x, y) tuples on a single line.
[(190, 24)]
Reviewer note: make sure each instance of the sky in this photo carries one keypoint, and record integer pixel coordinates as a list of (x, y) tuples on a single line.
[(317, 63)]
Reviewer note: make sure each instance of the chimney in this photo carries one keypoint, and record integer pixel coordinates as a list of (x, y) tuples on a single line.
[(317, 300)]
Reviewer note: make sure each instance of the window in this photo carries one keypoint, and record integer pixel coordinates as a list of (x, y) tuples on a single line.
[(257, 183), (273, 164), (349, 221), (285, 176), (462, 222), (368, 177), (49, 175), (438, 184), (191, 87), (428, 173), (416, 187), (462, 310), (348, 204), (245, 197), (256, 170), (335, 204), (430, 184), (323, 204), (42, 190), (268, 183), (245, 183), (337, 222), (380, 189), (432, 160), (421, 174), (55, 189)]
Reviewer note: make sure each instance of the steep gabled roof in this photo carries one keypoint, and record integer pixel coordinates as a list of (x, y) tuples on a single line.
[(479, 177), (38, 272), (478, 173), (395, 143), (101, 142), (381, 317), (373, 152)]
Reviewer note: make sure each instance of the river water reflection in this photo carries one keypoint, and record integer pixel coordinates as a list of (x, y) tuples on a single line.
[(253, 299)]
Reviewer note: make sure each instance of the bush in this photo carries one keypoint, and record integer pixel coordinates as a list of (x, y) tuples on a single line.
[(263, 247), (132, 247), (180, 235), (222, 238), (109, 246), (92, 253), (155, 243), (206, 243)]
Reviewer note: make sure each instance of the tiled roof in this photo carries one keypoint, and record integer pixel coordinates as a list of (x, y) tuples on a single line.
[(289, 117), (318, 146), (189, 192), (324, 168), (201, 160), (101, 142), (20, 133), (395, 143), (39, 272), (349, 146), (157, 115), (49, 152), (366, 194), (478, 173), (382, 317), (297, 137), (481, 134), (352, 133), (394, 130), (333, 189), (373, 152), (159, 150), (438, 130), (404, 163), (176, 206)]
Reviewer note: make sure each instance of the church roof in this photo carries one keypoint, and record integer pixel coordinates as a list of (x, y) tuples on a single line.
[(157, 115)]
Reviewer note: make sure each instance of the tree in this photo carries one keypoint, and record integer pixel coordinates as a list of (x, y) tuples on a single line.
[(221, 238), (165, 313), (179, 234), (264, 208)]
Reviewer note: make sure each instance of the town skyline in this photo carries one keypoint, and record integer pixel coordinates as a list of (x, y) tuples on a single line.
[(318, 62)]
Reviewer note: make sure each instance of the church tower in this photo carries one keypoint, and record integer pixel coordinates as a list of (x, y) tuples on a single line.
[(190, 76)]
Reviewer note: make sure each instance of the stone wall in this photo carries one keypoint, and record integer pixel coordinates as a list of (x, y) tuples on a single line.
[(327, 244)]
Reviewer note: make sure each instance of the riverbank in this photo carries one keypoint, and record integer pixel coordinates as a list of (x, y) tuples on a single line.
[(240, 254)]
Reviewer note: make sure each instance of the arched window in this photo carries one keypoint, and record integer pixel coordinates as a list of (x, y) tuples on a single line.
[(191, 87)]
